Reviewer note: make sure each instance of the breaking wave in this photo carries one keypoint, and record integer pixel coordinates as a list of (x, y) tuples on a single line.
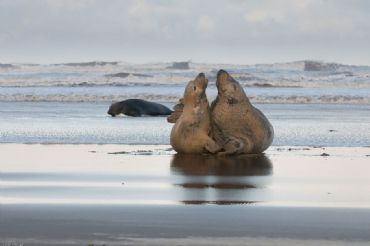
[(294, 74), (110, 81), (174, 98)]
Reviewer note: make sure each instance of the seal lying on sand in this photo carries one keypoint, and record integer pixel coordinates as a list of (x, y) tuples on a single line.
[(138, 107), (237, 126), (190, 134)]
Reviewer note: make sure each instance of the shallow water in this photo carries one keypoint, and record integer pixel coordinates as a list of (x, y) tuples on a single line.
[(87, 122), (154, 175)]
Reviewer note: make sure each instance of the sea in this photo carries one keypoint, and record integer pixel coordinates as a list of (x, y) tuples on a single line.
[(309, 103)]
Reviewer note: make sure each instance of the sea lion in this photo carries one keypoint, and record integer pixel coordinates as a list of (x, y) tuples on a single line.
[(138, 107), (237, 125), (190, 134)]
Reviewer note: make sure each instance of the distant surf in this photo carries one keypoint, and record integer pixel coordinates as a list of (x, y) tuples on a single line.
[(295, 82)]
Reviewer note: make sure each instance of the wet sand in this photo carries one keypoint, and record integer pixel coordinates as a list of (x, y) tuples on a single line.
[(147, 195), (183, 225)]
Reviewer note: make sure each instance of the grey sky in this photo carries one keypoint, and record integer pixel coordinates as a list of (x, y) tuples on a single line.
[(226, 31)]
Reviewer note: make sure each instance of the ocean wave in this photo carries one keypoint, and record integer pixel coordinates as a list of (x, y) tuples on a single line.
[(84, 98), (303, 65), (7, 65), (98, 80), (125, 75), (310, 74), (330, 81), (252, 84), (337, 99), (311, 65), (87, 64), (312, 99)]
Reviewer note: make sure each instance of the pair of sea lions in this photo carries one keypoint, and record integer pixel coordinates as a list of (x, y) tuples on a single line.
[(232, 125)]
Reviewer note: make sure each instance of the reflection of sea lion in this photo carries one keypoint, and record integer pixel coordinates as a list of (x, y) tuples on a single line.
[(138, 107), (238, 126), (190, 133), (213, 179), (212, 165)]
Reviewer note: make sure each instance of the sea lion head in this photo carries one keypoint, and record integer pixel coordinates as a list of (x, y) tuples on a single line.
[(114, 109), (196, 89), (229, 89)]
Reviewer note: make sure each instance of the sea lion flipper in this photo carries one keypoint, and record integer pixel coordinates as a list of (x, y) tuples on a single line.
[(233, 146), (212, 146), (133, 113), (174, 116)]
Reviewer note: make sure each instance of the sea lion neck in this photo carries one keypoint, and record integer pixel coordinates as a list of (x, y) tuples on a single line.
[(191, 102)]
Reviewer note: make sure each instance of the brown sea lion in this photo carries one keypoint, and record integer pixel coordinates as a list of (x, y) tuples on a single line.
[(190, 134), (237, 126)]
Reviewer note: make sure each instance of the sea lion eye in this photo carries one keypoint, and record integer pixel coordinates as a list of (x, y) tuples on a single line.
[(231, 100)]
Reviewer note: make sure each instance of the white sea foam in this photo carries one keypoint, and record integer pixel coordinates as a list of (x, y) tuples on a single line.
[(65, 81), (84, 98), (174, 98), (279, 74)]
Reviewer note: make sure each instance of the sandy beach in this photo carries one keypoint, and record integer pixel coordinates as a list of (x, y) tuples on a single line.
[(148, 195)]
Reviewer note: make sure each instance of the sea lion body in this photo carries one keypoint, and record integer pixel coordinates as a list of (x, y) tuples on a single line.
[(237, 125), (190, 134), (138, 107)]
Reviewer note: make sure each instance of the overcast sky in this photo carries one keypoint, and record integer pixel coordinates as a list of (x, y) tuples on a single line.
[(226, 31)]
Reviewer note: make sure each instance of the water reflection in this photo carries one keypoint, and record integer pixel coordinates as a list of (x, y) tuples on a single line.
[(208, 179), (202, 165)]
